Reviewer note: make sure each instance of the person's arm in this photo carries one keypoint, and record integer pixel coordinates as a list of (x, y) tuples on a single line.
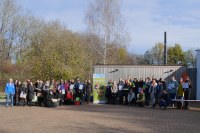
[(176, 85), (13, 89), (6, 88), (31, 89)]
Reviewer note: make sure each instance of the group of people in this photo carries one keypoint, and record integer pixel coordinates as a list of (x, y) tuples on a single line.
[(149, 92), (50, 93)]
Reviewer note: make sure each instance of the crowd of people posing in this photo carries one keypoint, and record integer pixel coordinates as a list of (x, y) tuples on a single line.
[(50, 93), (147, 92)]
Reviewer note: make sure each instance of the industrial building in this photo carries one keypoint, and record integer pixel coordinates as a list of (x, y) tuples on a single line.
[(114, 72)]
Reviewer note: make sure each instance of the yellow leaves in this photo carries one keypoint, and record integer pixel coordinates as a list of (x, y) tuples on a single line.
[(61, 55)]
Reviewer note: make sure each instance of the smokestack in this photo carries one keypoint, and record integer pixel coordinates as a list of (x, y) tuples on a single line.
[(165, 48)]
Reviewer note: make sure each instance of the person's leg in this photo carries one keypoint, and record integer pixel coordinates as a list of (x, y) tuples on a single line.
[(126, 98), (154, 100), (12, 96), (7, 99), (120, 97), (63, 98), (146, 99), (171, 97), (186, 94), (88, 98), (30, 102)]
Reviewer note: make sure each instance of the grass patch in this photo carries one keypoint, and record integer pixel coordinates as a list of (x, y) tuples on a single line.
[(2, 96)]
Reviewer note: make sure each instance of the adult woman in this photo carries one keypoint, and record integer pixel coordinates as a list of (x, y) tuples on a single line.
[(14, 98), (23, 93), (120, 88), (131, 97), (30, 94), (62, 88), (114, 90), (153, 89), (108, 91), (17, 92), (180, 93), (186, 87), (10, 92), (45, 91), (126, 90), (146, 87), (88, 91)]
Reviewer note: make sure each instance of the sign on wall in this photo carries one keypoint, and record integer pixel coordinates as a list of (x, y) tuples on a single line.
[(99, 88)]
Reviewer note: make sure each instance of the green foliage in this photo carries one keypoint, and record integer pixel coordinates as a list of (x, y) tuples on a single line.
[(59, 53), (157, 51), (175, 55), (122, 55), (189, 58)]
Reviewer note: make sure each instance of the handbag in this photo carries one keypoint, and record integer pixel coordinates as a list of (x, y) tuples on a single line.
[(35, 98), (23, 95)]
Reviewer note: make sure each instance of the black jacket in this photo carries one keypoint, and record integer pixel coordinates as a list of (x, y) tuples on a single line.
[(30, 92)]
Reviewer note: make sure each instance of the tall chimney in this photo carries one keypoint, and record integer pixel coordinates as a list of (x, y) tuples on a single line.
[(165, 48)]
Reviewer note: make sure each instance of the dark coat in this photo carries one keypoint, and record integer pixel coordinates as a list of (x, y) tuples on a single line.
[(88, 88), (23, 89), (17, 92), (108, 91), (30, 92)]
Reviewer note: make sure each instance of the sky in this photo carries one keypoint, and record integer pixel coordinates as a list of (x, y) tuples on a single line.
[(145, 20)]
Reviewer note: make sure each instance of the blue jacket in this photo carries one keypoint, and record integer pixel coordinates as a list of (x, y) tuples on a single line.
[(10, 88), (172, 87)]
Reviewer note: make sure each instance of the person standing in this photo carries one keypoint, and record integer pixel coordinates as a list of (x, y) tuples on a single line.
[(153, 91), (180, 94), (146, 87), (126, 90), (172, 89), (120, 90), (114, 90), (14, 98), (186, 87), (109, 92), (17, 92), (88, 91), (30, 94), (10, 92), (61, 87)]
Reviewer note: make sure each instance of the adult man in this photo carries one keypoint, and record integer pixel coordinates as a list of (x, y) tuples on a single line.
[(10, 92), (172, 89)]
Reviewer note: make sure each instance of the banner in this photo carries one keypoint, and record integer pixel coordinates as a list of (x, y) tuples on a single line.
[(99, 88)]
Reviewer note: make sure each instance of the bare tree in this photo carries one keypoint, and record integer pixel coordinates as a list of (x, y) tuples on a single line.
[(104, 19), (8, 29), (8, 26)]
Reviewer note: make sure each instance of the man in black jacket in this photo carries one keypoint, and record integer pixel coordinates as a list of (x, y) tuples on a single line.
[(88, 90)]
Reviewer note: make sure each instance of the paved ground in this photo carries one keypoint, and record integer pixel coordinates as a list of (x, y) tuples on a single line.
[(98, 119)]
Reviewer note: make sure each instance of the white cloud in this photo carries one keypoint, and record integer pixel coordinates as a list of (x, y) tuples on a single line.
[(145, 19)]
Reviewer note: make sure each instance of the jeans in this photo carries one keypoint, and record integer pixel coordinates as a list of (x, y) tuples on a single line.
[(172, 96), (152, 99), (8, 97), (186, 95)]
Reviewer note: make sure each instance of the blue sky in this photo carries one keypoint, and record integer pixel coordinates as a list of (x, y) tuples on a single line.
[(145, 19)]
